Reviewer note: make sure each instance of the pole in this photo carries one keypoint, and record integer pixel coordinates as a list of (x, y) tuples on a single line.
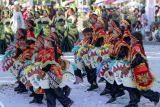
[(150, 11), (30, 2)]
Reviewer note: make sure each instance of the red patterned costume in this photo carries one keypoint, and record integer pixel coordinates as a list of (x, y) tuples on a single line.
[(20, 47), (54, 71), (142, 76), (27, 54), (31, 35), (50, 59), (99, 31)]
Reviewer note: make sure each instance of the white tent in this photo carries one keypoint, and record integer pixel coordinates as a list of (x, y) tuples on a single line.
[(119, 1), (133, 4), (150, 11), (99, 1)]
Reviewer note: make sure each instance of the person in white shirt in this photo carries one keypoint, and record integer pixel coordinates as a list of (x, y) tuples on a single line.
[(17, 18)]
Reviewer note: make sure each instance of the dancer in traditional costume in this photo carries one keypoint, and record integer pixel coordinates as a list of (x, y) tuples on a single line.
[(3, 45), (9, 35), (128, 84), (99, 32), (97, 41), (28, 52), (113, 38), (109, 39), (71, 34), (30, 31), (79, 67), (143, 79), (38, 29), (60, 28), (54, 72), (119, 56), (46, 23), (37, 93), (93, 20), (20, 48)]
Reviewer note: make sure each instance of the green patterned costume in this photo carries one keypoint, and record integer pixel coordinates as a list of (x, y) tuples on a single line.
[(38, 29), (46, 26), (60, 27), (9, 35), (2, 39), (70, 35)]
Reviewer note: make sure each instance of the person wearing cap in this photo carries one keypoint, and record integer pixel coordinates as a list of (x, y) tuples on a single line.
[(114, 38), (51, 67), (30, 42)]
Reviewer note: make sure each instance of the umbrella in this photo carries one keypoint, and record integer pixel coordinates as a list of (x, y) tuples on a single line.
[(68, 2)]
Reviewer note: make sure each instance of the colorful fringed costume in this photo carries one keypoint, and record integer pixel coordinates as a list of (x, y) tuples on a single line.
[(143, 78)]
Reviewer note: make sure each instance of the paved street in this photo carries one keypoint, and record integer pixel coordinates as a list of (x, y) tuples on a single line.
[(79, 95)]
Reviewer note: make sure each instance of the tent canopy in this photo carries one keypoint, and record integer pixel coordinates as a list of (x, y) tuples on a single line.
[(68, 2), (100, 2), (119, 1), (133, 4)]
